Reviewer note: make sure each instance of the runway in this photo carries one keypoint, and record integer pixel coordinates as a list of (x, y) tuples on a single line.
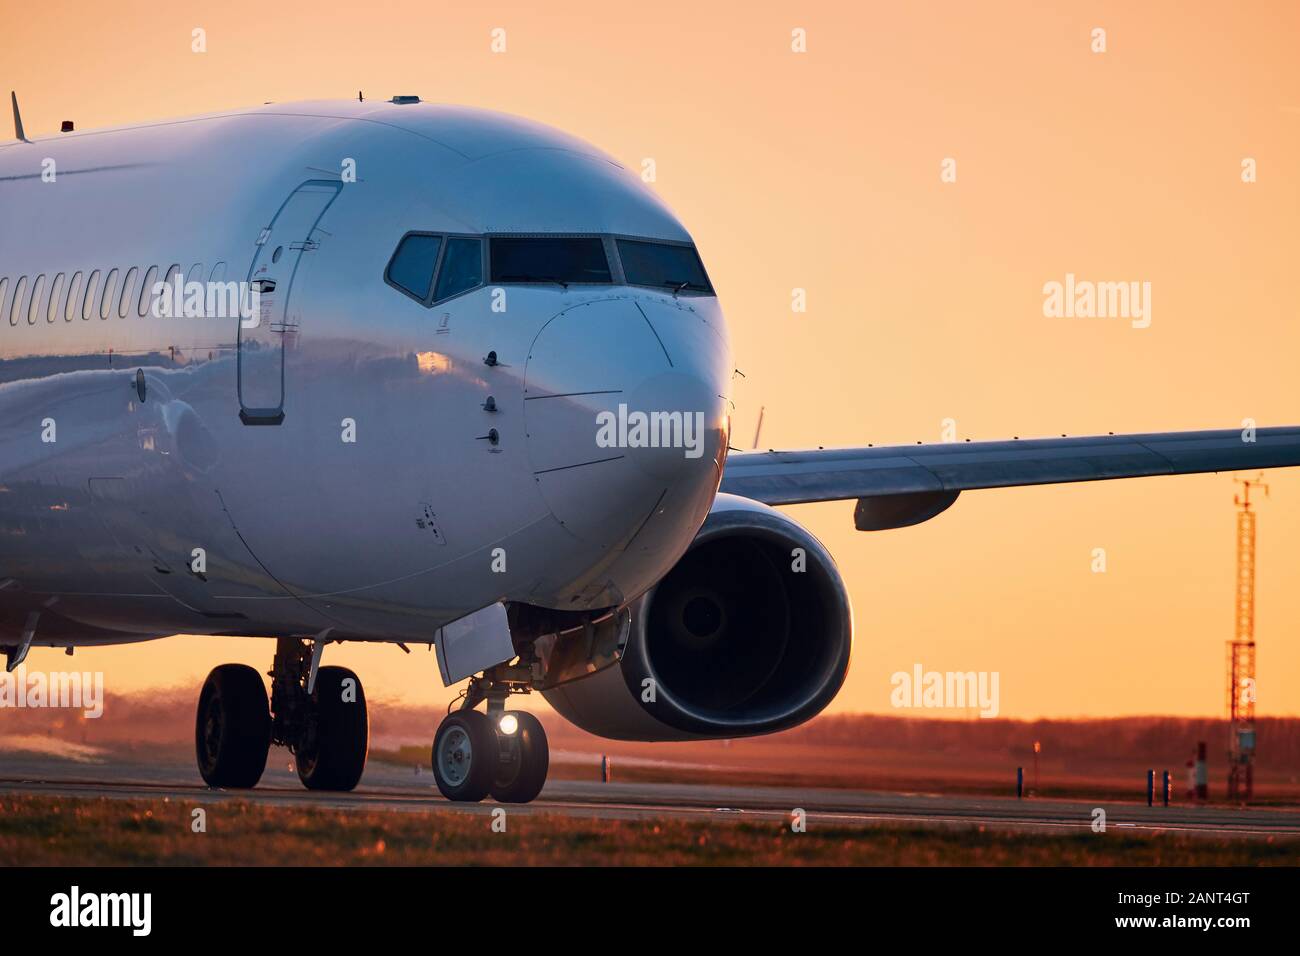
[(401, 789)]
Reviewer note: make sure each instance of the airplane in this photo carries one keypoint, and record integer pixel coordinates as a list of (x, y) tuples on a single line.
[(474, 395)]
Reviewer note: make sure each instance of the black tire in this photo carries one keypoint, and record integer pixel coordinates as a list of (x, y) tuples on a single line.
[(232, 730), (468, 745), (520, 777), (332, 753)]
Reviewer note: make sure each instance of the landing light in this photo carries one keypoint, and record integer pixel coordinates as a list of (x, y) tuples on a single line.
[(509, 724)]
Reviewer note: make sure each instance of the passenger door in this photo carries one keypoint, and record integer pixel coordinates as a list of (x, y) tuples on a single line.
[(281, 247)]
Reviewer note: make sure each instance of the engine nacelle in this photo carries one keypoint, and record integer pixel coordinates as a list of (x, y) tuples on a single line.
[(745, 635)]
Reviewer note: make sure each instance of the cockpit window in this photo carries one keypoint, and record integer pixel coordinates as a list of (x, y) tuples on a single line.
[(461, 269), (550, 259), (431, 267), (412, 265), (663, 265)]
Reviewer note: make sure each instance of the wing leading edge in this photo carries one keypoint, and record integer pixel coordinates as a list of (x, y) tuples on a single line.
[(913, 479)]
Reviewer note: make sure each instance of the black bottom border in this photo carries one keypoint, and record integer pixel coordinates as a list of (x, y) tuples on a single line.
[(306, 904)]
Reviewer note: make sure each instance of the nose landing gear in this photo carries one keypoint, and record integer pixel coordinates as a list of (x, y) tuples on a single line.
[(463, 756), (525, 760), (502, 753)]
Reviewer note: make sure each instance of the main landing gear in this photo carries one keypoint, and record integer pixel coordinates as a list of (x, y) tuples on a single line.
[(327, 727), (232, 733), (502, 753)]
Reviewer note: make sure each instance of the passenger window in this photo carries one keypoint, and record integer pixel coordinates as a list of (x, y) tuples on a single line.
[(169, 284), (16, 307), (4, 289), (412, 265), (106, 300), (146, 291), (461, 269), (88, 303), (221, 298), (173, 276), (35, 307), (56, 301), (74, 289), (124, 303)]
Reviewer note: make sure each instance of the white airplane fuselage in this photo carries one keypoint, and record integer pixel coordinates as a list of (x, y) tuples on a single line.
[(135, 448)]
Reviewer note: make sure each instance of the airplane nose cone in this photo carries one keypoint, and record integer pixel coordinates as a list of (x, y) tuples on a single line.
[(626, 423)]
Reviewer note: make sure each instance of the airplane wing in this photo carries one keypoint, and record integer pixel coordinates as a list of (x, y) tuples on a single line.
[(905, 484)]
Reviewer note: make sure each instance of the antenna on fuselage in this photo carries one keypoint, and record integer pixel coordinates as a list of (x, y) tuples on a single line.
[(360, 98), (759, 430), (18, 120)]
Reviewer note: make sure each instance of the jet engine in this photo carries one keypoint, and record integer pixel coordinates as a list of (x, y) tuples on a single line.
[(749, 633)]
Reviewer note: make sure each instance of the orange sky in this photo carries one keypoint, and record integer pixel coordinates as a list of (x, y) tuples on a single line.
[(821, 171)]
